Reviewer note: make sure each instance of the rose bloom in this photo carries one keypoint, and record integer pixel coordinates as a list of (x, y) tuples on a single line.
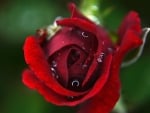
[(79, 64)]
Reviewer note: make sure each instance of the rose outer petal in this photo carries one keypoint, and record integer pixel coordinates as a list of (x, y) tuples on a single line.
[(80, 23), (130, 22), (105, 100), (76, 14), (30, 80), (36, 60)]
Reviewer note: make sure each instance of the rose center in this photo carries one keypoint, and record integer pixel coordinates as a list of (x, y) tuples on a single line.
[(73, 57)]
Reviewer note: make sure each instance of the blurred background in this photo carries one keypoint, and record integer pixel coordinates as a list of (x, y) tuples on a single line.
[(20, 18)]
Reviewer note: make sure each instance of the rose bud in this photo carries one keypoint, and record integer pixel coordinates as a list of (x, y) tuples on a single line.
[(79, 64)]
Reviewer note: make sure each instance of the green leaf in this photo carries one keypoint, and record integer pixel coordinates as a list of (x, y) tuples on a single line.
[(136, 81)]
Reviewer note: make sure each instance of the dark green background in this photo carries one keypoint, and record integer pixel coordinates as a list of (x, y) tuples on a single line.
[(20, 18)]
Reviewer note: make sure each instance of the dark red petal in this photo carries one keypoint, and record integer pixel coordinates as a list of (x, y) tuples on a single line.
[(76, 69), (105, 100), (30, 80), (98, 85), (63, 39), (36, 60), (130, 34), (75, 13), (80, 23), (91, 70), (62, 67), (130, 22), (130, 41)]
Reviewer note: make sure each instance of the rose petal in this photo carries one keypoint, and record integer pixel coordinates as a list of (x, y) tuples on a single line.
[(130, 41), (130, 22), (36, 60), (105, 100), (77, 14), (30, 80), (76, 69), (77, 22), (62, 68), (63, 39)]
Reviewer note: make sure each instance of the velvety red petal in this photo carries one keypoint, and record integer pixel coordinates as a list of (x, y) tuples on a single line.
[(77, 14), (105, 100), (76, 69), (62, 67), (30, 80), (62, 40), (98, 85), (130, 41), (74, 11), (130, 22), (77, 22), (36, 60)]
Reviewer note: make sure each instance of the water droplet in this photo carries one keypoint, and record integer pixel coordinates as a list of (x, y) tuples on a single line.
[(103, 42), (63, 42), (57, 76), (70, 97), (52, 69), (110, 49), (54, 73), (84, 66), (54, 63), (75, 83), (83, 48), (100, 58), (84, 35), (59, 54)]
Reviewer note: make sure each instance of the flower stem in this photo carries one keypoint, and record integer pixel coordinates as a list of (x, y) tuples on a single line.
[(90, 8)]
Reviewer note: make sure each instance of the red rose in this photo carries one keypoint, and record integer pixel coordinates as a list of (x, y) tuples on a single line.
[(80, 64)]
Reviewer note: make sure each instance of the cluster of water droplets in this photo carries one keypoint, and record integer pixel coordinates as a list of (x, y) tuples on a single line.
[(53, 69), (100, 57)]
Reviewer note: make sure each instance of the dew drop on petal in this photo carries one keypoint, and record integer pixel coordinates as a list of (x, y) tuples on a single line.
[(110, 49), (84, 66), (83, 48), (63, 42), (75, 83), (100, 58), (103, 42), (84, 35), (52, 69), (57, 76), (54, 63), (54, 73), (70, 97)]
